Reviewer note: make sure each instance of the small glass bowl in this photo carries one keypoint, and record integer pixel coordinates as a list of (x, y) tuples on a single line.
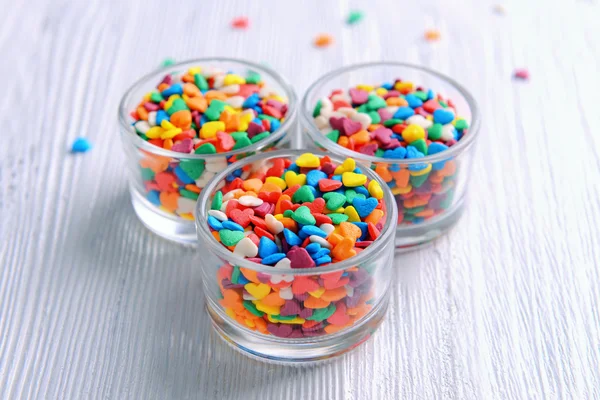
[(165, 210), (360, 285), (429, 203)]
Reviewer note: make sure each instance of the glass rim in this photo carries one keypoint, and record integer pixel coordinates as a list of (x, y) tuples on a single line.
[(290, 116), (459, 147), (387, 233)]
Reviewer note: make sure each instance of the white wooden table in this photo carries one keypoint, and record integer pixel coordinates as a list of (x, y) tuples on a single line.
[(92, 305)]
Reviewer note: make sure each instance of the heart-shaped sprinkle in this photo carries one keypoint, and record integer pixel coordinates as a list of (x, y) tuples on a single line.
[(291, 307), (364, 207), (257, 290), (303, 216), (334, 200), (245, 248), (299, 258), (230, 238)]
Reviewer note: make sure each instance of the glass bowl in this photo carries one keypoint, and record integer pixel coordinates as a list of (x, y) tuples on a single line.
[(301, 328), (430, 191), (164, 202)]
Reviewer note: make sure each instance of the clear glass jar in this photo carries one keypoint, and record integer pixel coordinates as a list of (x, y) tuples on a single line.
[(163, 209), (430, 191), (357, 288)]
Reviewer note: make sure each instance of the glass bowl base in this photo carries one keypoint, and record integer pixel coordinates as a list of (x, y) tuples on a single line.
[(167, 226), (294, 352), (413, 237)]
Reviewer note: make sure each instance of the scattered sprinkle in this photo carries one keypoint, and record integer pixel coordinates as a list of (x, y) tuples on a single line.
[(432, 35), (81, 145), (355, 17), (522, 74), (240, 23), (167, 62), (323, 40)]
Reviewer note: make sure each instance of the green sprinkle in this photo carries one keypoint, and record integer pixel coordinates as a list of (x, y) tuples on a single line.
[(443, 103), (363, 108), (461, 124), (212, 114), (201, 82), (235, 275), (337, 218), (351, 194), (206, 148), (303, 195), (375, 102), (253, 77), (418, 181), (193, 168), (260, 136), (288, 213), (189, 194), (264, 116), (434, 132), (421, 145), (375, 117), (167, 62), (242, 142), (248, 305), (147, 174), (379, 153), (421, 95), (355, 17), (321, 314), (447, 202), (282, 318), (178, 105), (333, 135), (334, 200), (156, 97), (414, 210), (217, 201), (317, 110), (391, 122)]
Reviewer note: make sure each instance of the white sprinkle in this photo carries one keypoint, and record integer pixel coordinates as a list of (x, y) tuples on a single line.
[(220, 215)]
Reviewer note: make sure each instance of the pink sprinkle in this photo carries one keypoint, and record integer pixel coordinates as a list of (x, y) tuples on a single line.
[(150, 106), (521, 73), (185, 146), (240, 23)]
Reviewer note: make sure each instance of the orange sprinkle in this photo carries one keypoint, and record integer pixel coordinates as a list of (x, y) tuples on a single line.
[(432, 35), (323, 40)]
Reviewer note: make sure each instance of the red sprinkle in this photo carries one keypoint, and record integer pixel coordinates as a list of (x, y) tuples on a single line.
[(240, 23)]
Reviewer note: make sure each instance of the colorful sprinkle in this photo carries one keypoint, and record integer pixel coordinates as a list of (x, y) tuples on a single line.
[(393, 121), (81, 145), (293, 225), (167, 62), (522, 74), (203, 111), (354, 17), (432, 35), (240, 23), (323, 40)]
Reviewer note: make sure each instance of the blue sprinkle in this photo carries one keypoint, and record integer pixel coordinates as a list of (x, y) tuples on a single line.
[(323, 260), (291, 238), (274, 125), (273, 258), (313, 248), (413, 100), (430, 94), (418, 220), (153, 197), (394, 167), (266, 247), (336, 178), (361, 189), (237, 172), (404, 113), (293, 167), (391, 184), (435, 148), (314, 176), (398, 152), (388, 86), (214, 223), (309, 230), (176, 88), (321, 253), (230, 178), (242, 280), (251, 101), (81, 145), (412, 152), (257, 121), (232, 226), (364, 207), (182, 176), (443, 116)]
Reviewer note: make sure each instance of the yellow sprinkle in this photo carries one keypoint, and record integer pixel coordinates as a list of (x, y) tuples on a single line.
[(421, 172)]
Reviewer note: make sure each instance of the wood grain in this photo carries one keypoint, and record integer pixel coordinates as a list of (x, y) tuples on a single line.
[(92, 305)]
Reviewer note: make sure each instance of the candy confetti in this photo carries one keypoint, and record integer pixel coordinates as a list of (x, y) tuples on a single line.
[(81, 145), (354, 17), (201, 111), (432, 35), (398, 121), (297, 216), (522, 74), (167, 62), (323, 40), (240, 23)]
